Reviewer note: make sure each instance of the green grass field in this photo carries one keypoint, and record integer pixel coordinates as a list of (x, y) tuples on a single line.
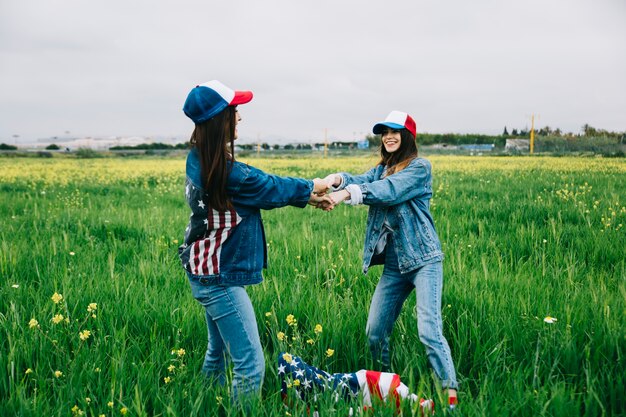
[(525, 239)]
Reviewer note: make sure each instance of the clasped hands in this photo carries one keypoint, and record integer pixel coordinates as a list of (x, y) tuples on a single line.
[(321, 198)]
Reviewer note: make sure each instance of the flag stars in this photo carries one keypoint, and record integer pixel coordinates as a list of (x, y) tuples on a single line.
[(201, 204)]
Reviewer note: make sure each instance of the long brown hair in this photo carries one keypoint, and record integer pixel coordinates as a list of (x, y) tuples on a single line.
[(214, 140), (398, 160)]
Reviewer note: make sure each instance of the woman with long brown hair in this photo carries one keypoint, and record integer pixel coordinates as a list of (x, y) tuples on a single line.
[(400, 234), (224, 248)]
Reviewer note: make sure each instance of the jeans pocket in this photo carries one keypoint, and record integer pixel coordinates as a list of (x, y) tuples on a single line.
[(200, 288)]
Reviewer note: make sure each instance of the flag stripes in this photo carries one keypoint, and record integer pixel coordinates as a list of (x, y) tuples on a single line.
[(204, 257)]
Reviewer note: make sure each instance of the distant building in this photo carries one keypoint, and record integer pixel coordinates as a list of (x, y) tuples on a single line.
[(517, 145), (444, 146), (101, 144), (483, 147), (343, 145)]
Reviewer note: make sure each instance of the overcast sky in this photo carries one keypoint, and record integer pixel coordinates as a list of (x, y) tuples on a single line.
[(124, 67)]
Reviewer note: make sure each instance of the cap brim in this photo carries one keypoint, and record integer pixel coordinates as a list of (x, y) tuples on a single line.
[(378, 127), (241, 97)]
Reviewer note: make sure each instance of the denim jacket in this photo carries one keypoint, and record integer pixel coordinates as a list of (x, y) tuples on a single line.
[(229, 248), (405, 195)]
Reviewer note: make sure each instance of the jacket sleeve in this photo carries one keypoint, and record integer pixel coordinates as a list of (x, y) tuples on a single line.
[(413, 181), (254, 188), (347, 179)]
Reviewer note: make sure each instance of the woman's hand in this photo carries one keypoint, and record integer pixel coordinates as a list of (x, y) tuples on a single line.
[(339, 196), (321, 202), (321, 186), (334, 180)]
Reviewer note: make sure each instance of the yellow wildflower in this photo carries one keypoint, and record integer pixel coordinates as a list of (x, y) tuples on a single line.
[(123, 410), (76, 410), (58, 374), (281, 336), (268, 314), (33, 323), (180, 352), (550, 320), (291, 320), (84, 335), (330, 352), (92, 307), (110, 404), (167, 379), (310, 341), (28, 371), (296, 382), (56, 297), (287, 357), (171, 368), (58, 318), (318, 329)]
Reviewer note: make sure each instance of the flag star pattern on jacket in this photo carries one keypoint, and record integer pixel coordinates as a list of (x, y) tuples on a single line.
[(307, 382)]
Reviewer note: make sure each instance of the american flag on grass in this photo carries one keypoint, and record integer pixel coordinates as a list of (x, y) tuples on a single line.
[(307, 381)]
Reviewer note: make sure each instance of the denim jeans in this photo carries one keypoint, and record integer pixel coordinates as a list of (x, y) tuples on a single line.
[(391, 292), (232, 329)]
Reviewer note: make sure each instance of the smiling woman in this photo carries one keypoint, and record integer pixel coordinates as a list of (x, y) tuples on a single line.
[(400, 233)]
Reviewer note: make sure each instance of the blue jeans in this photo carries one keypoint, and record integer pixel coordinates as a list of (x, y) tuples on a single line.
[(232, 329), (391, 292)]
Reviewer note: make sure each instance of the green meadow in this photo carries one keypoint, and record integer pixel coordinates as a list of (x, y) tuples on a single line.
[(97, 319)]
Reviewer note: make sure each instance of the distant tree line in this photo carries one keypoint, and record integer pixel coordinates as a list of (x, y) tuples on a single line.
[(276, 146), (589, 135), (150, 147), (546, 139)]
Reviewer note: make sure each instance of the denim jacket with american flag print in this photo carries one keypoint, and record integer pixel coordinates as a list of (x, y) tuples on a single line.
[(229, 248)]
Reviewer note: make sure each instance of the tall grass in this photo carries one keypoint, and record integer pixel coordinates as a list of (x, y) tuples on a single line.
[(525, 239)]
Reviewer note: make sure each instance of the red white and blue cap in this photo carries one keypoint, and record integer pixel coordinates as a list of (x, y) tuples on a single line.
[(210, 99), (396, 120)]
